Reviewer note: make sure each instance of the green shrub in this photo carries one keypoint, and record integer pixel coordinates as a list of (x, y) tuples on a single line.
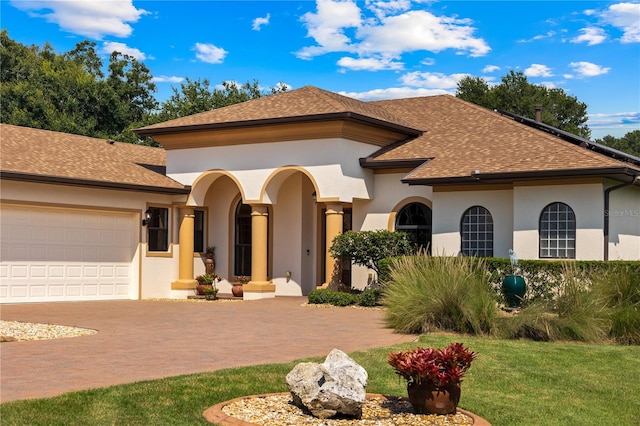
[(427, 293), (320, 296), (368, 297), (331, 297)]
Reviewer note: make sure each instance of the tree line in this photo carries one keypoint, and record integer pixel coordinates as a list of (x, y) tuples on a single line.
[(69, 92)]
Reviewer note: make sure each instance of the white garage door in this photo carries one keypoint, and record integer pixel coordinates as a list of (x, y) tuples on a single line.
[(66, 254)]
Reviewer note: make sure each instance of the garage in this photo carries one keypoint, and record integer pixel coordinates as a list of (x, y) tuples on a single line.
[(67, 254)]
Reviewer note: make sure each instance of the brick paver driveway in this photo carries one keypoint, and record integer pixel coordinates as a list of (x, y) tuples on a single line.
[(143, 340)]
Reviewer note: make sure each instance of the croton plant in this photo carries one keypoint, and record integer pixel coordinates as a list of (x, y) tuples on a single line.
[(440, 367)]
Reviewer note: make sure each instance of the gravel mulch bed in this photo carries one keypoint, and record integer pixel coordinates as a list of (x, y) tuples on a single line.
[(20, 331), (278, 410)]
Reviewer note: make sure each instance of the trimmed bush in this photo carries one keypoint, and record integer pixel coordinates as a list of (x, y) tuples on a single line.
[(331, 297), (368, 297)]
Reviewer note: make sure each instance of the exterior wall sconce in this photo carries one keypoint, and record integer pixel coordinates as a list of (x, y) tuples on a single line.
[(147, 217), (314, 196)]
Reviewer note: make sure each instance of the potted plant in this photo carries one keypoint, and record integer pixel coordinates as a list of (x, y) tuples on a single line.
[(206, 281), (433, 376), (211, 293), (237, 288), (513, 286)]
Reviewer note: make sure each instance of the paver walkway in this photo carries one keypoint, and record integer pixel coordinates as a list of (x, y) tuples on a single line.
[(144, 340)]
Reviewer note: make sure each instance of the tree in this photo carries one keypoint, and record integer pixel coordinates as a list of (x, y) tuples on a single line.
[(516, 95), (368, 248), (629, 143)]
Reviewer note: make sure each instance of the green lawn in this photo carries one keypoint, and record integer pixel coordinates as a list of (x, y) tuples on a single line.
[(510, 383)]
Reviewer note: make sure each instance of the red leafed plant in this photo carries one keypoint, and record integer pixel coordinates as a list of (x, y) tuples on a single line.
[(441, 367)]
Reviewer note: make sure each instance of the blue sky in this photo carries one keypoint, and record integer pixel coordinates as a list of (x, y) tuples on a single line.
[(368, 50)]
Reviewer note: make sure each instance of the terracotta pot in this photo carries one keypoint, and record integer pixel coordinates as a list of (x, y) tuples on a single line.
[(201, 288), (427, 398), (237, 290)]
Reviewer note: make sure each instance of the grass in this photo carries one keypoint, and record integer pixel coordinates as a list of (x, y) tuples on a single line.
[(512, 382)]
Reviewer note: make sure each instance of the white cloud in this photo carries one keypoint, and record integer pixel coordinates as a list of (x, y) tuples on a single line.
[(615, 124), (88, 18), (588, 69), (369, 64), (626, 17), (387, 7), (167, 79), (549, 34), (111, 46), (591, 36), (259, 22), (548, 84), (538, 70), (327, 26), (490, 68), (393, 93), (432, 80), (386, 35), (209, 53)]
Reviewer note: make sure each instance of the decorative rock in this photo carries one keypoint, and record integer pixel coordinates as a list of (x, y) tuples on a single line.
[(334, 387)]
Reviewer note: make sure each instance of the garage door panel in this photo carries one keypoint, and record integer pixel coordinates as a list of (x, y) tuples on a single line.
[(67, 255)]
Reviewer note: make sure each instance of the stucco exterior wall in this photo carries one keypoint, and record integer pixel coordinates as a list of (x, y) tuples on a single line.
[(587, 202), (624, 224), (448, 208), (331, 163)]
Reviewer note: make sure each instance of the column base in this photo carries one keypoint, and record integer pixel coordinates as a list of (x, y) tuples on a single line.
[(184, 285), (255, 290)]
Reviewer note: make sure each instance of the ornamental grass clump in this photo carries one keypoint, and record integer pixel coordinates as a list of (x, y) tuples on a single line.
[(439, 367), (439, 293)]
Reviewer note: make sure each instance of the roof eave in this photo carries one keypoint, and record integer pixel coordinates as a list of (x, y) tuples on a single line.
[(622, 174), (59, 180), (350, 116), (372, 163)]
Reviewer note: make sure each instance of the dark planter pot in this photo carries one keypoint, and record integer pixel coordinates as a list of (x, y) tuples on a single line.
[(211, 296), (427, 398), (513, 289)]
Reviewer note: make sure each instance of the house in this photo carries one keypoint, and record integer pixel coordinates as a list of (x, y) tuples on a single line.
[(270, 182)]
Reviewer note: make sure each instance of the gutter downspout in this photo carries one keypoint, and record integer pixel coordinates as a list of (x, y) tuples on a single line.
[(607, 192)]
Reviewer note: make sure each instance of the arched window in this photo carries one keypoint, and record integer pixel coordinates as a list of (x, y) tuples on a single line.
[(415, 220), (557, 232), (476, 232), (242, 240)]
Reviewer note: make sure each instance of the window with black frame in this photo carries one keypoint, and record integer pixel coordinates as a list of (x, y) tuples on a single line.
[(242, 243), (476, 232), (557, 232), (158, 229)]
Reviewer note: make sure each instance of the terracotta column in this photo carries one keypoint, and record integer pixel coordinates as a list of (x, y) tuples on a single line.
[(333, 226), (259, 286), (185, 266)]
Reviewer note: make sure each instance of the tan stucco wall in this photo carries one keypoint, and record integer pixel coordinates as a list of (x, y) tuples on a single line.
[(448, 208), (587, 202), (624, 224)]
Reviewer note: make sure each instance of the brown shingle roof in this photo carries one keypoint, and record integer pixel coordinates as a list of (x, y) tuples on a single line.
[(62, 156), (301, 103), (460, 136)]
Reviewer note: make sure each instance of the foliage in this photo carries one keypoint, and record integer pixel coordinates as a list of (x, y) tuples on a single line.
[(198, 95), (208, 279), (440, 367), (368, 297), (629, 143), (242, 280), (69, 92), (617, 292), (516, 95), (331, 297), (368, 248), (428, 293)]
